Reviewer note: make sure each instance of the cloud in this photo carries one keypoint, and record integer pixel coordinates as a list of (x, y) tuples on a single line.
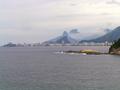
[(74, 31), (107, 30), (113, 2), (73, 4), (38, 20)]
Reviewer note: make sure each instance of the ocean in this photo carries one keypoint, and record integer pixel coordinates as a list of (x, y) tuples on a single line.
[(41, 68)]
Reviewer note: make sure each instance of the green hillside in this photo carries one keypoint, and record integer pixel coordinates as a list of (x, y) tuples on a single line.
[(115, 48)]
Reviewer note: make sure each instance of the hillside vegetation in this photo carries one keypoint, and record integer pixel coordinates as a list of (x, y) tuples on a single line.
[(115, 48)]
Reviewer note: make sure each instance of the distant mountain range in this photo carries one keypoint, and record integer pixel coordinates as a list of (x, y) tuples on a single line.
[(65, 38), (111, 36)]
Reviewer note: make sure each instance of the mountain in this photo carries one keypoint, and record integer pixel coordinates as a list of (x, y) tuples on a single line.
[(65, 38), (10, 45), (111, 36)]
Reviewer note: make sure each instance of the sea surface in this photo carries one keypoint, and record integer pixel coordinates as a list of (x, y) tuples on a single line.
[(41, 68)]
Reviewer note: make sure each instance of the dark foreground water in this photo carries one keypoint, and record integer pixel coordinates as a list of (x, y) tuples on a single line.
[(42, 69)]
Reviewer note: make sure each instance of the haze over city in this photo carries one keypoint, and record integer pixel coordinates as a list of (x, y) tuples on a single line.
[(39, 20)]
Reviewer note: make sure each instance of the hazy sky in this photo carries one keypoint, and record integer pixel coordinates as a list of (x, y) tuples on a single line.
[(39, 20)]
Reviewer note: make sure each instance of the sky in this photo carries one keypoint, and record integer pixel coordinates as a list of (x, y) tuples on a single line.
[(40, 20)]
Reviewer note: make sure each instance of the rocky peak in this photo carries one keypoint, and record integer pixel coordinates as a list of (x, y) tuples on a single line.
[(65, 33)]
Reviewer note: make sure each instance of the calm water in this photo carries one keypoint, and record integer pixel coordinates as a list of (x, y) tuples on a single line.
[(42, 69)]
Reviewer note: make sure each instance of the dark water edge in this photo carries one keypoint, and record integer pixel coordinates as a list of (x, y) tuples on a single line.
[(40, 68)]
